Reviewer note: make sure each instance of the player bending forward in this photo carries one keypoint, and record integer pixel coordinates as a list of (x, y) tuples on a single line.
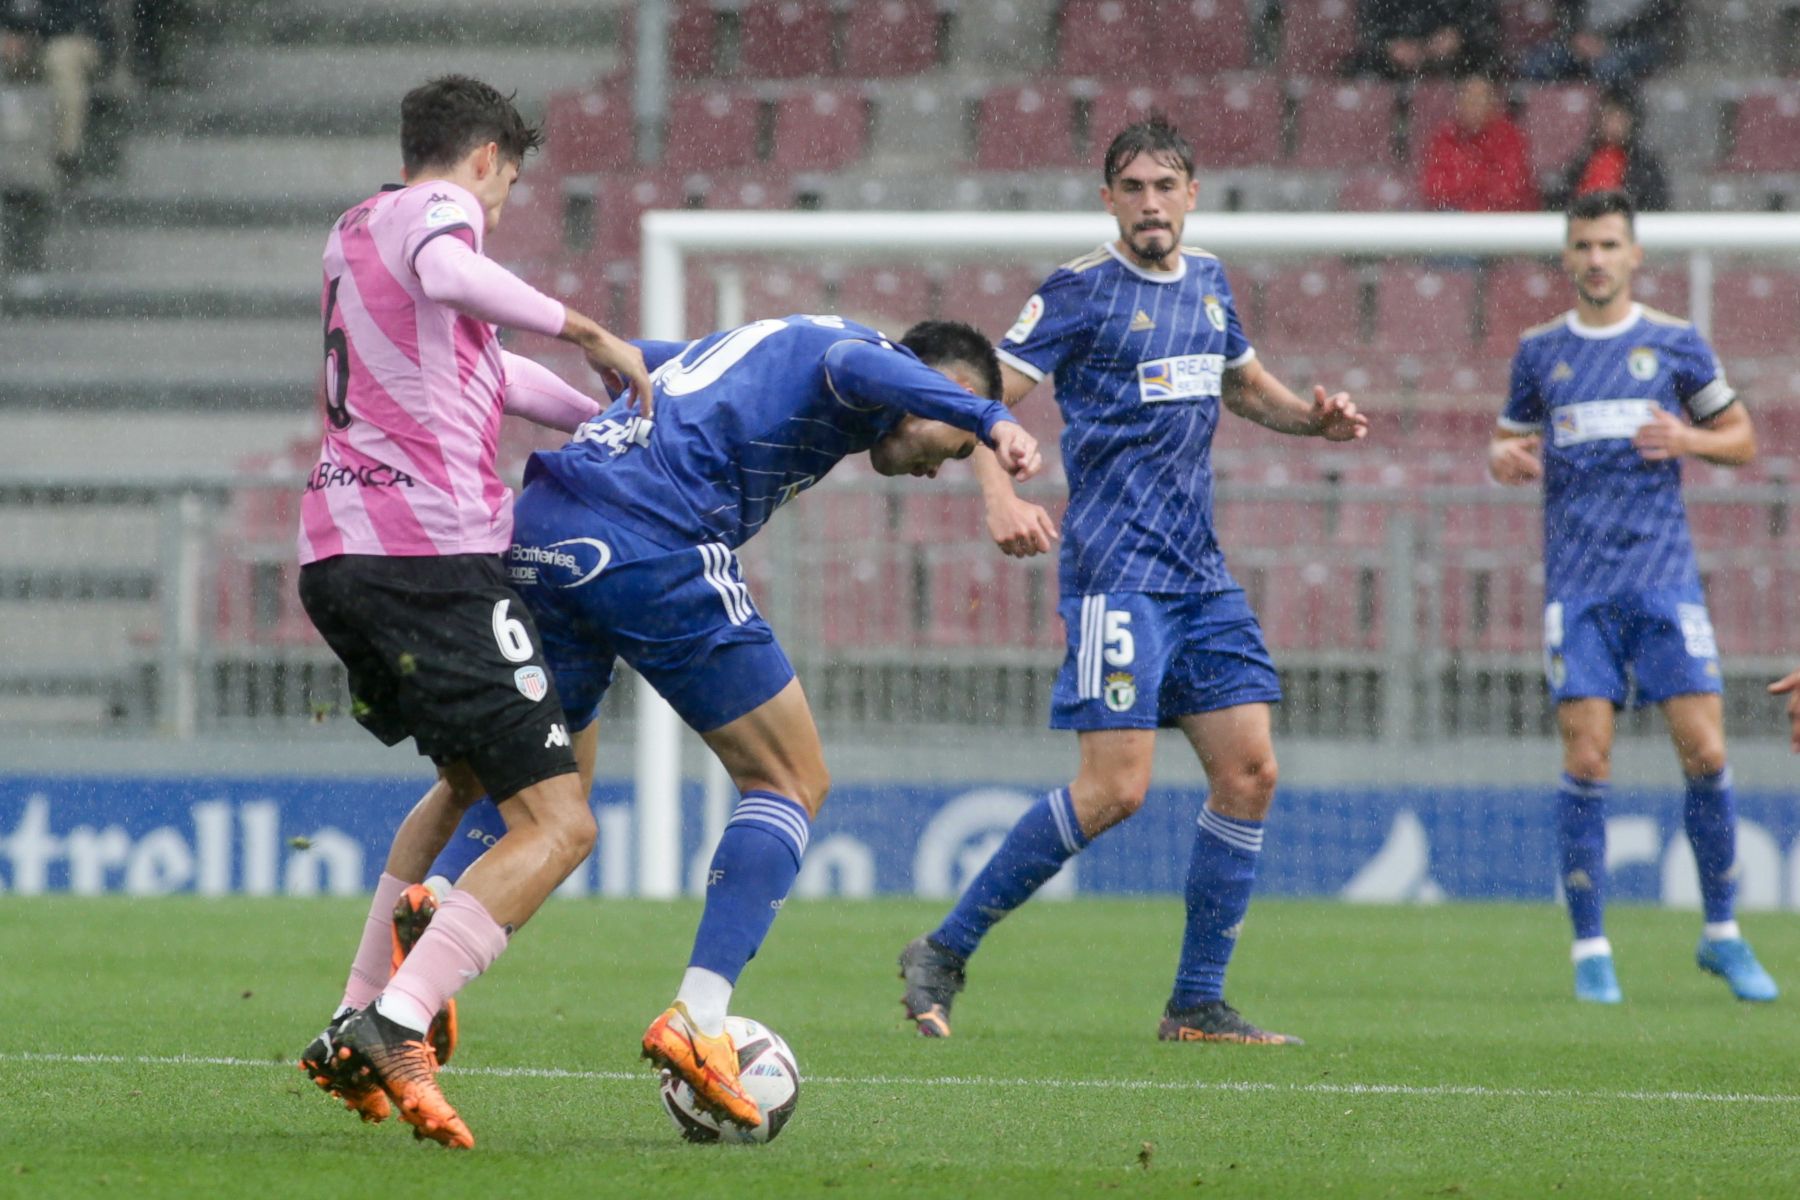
[(1144, 341), (402, 526), (624, 548), (1607, 383)]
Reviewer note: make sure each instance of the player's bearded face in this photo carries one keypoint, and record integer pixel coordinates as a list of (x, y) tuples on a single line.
[(1600, 256), (1150, 200)]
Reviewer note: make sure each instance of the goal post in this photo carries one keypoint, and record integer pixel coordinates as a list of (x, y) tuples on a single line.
[(671, 237)]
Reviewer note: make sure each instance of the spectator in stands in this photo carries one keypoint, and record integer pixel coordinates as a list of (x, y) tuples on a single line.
[(1615, 43), (1477, 161), (1615, 159), (71, 38), (1405, 39)]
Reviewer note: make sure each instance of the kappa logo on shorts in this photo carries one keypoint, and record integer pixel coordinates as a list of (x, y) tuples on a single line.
[(558, 736), (532, 683)]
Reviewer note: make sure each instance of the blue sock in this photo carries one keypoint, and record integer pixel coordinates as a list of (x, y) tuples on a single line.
[(481, 827), (752, 870), (1220, 876), (1710, 814), (1045, 838), (1581, 837)]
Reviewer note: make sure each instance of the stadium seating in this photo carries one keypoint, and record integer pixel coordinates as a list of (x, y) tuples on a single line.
[(1242, 118), (1199, 37), (786, 39), (1756, 311), (590, 130), (1376, 190), (1316, 36), (887, 297), (1664, 288), (891, 37), (1307, 305), (1026, 127), (1425, 310), (773, 291), (1517, 295), (1429, 104), (532, 231), (1556, 119), (1342, 124), (1765, 131), (1104, 38), (820, 129), (712, 128), (988, 297)]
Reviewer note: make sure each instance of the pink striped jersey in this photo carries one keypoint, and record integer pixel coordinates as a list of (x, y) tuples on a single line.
[(413, 392)]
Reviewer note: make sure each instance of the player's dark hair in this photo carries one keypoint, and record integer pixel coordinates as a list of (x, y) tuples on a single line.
[(445, 118), (942, 343), (1591, 206), (1156, 136)]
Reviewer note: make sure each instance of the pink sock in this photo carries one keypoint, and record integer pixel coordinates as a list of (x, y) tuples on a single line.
[(375, 953), (461, 943)]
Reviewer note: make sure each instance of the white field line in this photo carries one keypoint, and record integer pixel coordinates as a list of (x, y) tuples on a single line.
[(1476, 1091)]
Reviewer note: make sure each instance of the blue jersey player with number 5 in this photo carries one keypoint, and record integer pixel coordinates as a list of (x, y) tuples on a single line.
[(624, 546), (1144, 342), (1600, 394)]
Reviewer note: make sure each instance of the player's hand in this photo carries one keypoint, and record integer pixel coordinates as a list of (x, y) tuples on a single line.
[(1020, 528), (1789, 685), (619, 362), (1662, 437), (1514, 460), (1017, 451), (1335, 417)]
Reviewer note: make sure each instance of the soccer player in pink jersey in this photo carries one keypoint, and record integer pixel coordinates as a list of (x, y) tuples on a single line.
[(403, 523)]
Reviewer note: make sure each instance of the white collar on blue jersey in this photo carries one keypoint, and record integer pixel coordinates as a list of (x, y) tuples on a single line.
[(1598, 332), (1175, 276)]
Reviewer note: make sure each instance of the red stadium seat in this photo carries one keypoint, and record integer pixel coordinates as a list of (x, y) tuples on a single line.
[(886, 297), (1431, 103), (820, 129), (532, 231), (786, 39), (1519, 294), (620, 201), (753, 189), (1199, 37), (1025, 129), (1466, 382), (711, 129), (1755, 311), (1664, 288), (1765, 133), (1419, 310), (693, 37), (589, 130), (1113, 108), (774, 291), (1307, 306), (1556, 120), (1345, 125), (891, 37), (1231, 122), (1316, 36), (989, 298), (868, 600), (1103, 37)]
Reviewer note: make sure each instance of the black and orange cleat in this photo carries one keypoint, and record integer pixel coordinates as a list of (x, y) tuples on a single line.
[(321, 1063), (708, 1064), (412, 916), (1217, 1021), (933, 976), (374, 1050)]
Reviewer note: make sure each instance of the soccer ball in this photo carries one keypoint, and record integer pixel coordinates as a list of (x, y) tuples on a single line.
[(766, 1066)]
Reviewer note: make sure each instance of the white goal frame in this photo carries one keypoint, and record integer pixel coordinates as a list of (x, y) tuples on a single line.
[(669, 237)]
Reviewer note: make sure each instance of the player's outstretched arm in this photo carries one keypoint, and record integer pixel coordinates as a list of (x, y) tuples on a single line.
[(538, 394), (1727, 439), (1789, 685), (1020, 528), (1253, 393), (618, 362), (1513, 457)]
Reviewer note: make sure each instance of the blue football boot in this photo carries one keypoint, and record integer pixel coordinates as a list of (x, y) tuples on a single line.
[(1732, 960), (1596, 982)]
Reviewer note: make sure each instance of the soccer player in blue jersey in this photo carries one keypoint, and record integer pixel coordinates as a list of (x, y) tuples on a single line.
[(1143, 339), (1612, 396), (624, 546)]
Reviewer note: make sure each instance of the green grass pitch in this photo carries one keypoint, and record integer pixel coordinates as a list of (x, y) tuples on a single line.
[(1445, 1057)]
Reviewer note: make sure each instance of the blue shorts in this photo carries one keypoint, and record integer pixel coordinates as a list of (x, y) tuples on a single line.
[(1138, 661), (681, 617), (1663, 638)]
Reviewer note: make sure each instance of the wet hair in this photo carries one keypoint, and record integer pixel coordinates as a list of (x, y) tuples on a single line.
[(1156, 136), (943, 343), (1591, 206), (445, 118)]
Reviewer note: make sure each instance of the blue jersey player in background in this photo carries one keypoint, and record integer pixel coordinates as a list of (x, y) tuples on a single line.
[(1144, 342), (624, 546), (1601, 394)]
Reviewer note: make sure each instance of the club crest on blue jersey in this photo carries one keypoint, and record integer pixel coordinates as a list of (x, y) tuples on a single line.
[(1215, 312), (1641, 362)]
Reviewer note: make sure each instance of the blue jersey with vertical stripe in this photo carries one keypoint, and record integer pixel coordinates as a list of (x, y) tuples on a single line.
[(1614, 521), (1138, 358), (745, 420)]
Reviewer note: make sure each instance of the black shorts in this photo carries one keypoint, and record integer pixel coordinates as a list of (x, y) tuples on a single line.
[(443, 651)]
